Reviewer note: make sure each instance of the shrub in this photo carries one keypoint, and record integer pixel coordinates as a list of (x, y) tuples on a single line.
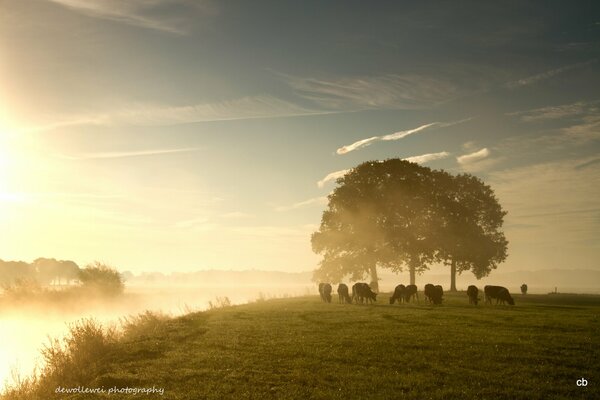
[(74, 360), (102, 278)]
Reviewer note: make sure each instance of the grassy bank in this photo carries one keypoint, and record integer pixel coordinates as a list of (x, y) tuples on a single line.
[(301, 348)]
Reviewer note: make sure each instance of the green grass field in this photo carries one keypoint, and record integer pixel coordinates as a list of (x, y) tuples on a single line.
[(301, 348)]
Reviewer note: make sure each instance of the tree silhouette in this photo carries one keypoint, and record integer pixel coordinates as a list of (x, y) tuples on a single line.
[(101, 278), (379, 215), (396, 214), (470, 219)]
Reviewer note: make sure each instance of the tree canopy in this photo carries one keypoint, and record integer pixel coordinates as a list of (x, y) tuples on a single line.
[(396, 214), (102, 278)]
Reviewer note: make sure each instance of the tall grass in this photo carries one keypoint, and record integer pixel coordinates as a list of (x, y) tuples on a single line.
[(80, 356)]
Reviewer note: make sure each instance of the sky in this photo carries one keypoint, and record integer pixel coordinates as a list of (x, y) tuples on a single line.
[(174, 135)]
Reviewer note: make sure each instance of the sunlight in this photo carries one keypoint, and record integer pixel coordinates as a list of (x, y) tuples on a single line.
[(7, 137)]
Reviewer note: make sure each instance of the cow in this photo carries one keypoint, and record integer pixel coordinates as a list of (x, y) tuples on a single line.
[(325, 292), (438, 293), (473, 294), (500, 293), (411, 292), (361, 291), (398, 294), (343, 296), (428, 292), (524, 288)]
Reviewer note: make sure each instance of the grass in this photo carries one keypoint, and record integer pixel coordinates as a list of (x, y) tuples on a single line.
[(301, 348)]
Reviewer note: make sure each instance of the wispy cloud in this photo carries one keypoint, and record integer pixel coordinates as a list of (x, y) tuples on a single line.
[(473, 157), (332, 177), (172, 16), (158, 115), (373, 92), (532, 201), (236, 215), (428, 157), (547, 74), (396, 135), (124, 154), (315, 200), (403, 134), (557, 112)]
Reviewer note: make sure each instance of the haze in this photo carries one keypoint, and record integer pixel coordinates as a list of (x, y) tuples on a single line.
[(177, 135)]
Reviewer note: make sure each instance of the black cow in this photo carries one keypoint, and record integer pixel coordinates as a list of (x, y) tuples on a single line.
[(411, 292), (524, 288), (325, 292), (473, 294), (343, 296), (361, 291), (398, 294), (500, 293), (438, 294), (429, 290)]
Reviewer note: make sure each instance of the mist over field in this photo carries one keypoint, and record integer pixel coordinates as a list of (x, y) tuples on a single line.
[(300, 199), (28, 324)]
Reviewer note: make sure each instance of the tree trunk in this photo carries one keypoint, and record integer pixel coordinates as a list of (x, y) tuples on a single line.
[(453, 276), (413, 274), (374, 279)]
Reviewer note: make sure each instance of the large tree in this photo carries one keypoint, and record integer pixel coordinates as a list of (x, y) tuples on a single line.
[(470, 218), (378, 215), (397, 214)]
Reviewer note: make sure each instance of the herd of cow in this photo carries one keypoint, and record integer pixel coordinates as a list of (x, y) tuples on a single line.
[(361, 293)]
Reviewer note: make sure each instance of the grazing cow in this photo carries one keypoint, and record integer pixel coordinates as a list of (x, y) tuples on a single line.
[(398, 294), (524, 288), (343, 296), (473, 294), (361, 291), (429, 290), (325, 292), (438, 293), (411, 292), (500, 293)]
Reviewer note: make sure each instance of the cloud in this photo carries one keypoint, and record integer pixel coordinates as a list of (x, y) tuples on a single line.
[(125, 154), (315, 200), (403, 134), (427, 157), (332, 177), (549, 195), (357, 145), (158, 115), (237, 215), (170, 16), (589, 163), (557, 112), (473, 157), (410, 91), (396, 135), (547, 74)]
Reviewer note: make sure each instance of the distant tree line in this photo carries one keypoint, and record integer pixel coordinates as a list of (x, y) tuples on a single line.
[(43, 271), (46, 271)]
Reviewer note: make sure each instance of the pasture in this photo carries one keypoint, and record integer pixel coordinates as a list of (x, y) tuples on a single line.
[(301, 348)]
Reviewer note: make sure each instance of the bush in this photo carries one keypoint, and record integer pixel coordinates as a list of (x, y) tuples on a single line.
[(74, 360), (103, 278)]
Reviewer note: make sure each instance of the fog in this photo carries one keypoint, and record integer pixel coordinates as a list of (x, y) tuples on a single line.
[(26, 326)]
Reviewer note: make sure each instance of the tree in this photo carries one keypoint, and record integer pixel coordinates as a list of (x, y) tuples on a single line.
[(470, 220), (397, 214), (50, 269), (379, 215), (102, 278)]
